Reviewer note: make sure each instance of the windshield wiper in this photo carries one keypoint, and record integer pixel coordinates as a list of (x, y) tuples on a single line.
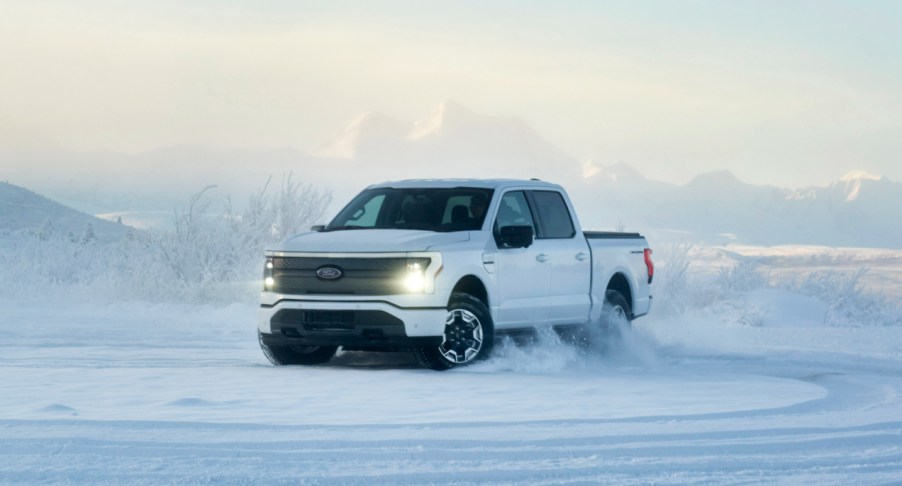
[(347, 227)]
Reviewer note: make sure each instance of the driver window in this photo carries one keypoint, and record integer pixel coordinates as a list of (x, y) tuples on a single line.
[(514, 211)]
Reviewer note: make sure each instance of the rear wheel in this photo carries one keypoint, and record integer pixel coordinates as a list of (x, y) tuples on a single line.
[(615, 317), (296, 355), (469, 335), (615, 313)]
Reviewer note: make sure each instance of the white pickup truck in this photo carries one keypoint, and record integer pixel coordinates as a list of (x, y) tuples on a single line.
[(442, 267)]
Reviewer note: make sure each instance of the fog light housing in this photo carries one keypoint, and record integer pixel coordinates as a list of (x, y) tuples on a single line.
[(268, 281)]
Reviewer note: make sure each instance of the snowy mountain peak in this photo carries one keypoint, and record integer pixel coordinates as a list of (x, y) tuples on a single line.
[(367, 127), (590, 169), (446, 117), (858, 175), (452, 141), (853, 183), (851, 188)]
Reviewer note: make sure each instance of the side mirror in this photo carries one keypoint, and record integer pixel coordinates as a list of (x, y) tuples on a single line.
[(318, 227), (516, 236)]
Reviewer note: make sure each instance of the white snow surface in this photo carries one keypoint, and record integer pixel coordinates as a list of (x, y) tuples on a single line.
[(137, 393)]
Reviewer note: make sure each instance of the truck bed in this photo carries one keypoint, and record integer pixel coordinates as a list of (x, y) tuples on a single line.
[(610, 235)]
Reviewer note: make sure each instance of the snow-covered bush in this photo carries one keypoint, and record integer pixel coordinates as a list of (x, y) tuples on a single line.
[(732, 294), (672, 290), (31, 263), (745, 276), (680, 290), (209, 255), (848, 303)]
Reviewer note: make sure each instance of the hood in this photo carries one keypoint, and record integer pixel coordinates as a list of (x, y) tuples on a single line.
[(370, 240)]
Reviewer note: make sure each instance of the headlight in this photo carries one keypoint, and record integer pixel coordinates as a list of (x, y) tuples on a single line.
[(268, 281), (415, 280)]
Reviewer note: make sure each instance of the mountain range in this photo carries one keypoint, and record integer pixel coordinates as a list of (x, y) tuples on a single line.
[(856, 211), (860, 209), (714, 207)]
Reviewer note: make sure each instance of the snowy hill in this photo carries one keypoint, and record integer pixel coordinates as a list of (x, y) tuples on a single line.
[(24, 212)]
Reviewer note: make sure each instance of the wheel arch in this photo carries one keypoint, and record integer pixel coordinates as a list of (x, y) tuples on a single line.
[(621, 284), (472, 285)]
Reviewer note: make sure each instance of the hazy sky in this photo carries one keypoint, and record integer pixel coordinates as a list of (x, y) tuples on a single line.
[(780, 92)]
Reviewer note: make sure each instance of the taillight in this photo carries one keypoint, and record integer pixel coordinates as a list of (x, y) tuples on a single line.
[(650, 265)]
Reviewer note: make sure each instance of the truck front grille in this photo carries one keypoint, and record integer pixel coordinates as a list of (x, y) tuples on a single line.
[(359, 276)]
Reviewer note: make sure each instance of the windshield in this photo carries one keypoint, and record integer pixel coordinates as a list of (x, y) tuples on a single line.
[(435, 209)]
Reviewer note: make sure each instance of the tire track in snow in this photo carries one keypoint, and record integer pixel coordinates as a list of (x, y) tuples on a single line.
[(136, 453)]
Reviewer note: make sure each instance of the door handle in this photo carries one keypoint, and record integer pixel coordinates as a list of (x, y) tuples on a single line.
[(581, 256), (543, 257)]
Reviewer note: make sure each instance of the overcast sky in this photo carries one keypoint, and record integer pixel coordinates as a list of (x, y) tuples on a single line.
[(779, 92)]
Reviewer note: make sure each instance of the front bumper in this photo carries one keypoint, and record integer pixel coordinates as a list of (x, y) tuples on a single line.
[(351, 324)]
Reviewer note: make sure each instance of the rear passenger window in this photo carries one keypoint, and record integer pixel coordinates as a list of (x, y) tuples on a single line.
[(554, 218)]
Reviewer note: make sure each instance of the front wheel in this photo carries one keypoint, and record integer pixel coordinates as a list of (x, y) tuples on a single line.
[(469, 335), (296, 355)]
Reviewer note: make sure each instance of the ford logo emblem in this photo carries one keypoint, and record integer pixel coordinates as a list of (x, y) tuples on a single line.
[(329, 273)]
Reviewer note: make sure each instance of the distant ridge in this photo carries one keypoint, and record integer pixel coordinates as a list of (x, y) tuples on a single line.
[(859, 209), (23, 212)]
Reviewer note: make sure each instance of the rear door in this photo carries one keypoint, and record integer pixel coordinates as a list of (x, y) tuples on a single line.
[(568, 258), (523, 277)]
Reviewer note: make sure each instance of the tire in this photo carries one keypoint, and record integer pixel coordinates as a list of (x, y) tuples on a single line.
[(469, 335), (615, 316), (615, 313), (296, 355)]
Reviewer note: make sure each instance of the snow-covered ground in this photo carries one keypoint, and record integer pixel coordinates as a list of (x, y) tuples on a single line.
[(137, 393)]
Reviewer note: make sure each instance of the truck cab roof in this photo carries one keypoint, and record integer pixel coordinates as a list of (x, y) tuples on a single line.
[(481, 183)]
